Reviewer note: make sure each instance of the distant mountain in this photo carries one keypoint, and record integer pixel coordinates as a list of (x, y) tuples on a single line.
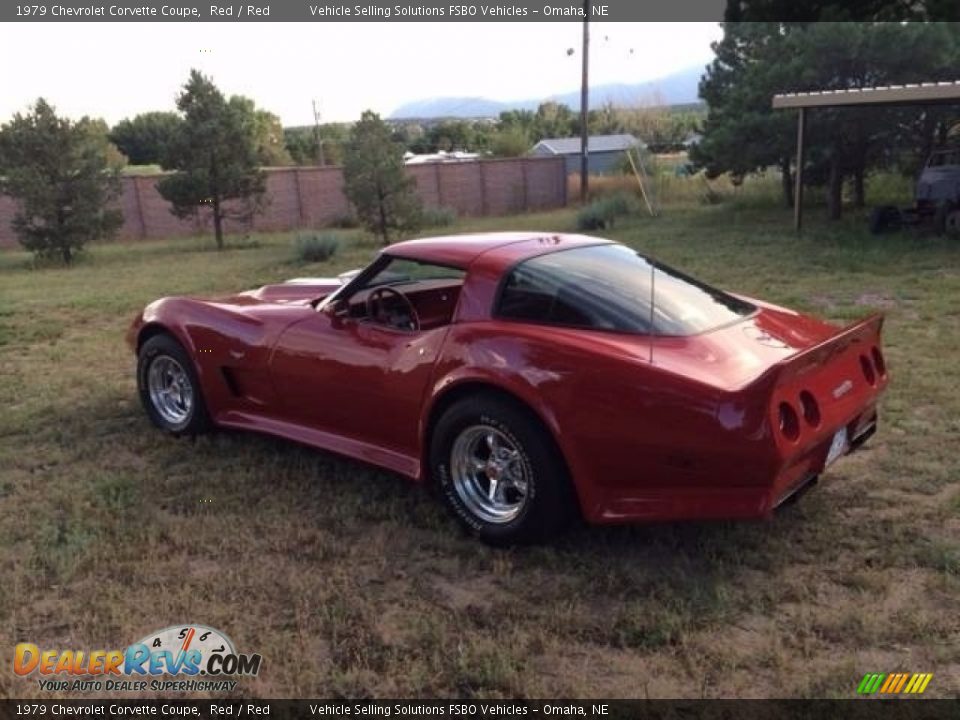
[(675, 89)]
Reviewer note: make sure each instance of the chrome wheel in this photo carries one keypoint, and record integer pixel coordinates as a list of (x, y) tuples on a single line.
[(489, 474), (171, 392)]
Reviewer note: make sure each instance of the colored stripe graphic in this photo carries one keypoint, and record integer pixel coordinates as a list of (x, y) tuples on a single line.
[(923, 679), (870, 683), (891, 681), (894, 683)]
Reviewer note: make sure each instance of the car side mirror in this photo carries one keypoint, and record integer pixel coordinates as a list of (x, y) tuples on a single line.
[(339, 312)]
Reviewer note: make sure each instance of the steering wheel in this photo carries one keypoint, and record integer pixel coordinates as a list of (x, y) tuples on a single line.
[(377, 309)]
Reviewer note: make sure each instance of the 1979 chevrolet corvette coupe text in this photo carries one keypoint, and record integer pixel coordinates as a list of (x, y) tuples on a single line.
[(529, 377)]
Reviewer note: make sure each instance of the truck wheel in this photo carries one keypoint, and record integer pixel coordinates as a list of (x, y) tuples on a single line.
[(951, 223), (940, 219), (884, 217)]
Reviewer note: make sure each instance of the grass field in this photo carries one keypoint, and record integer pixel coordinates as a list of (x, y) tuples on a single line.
[(351, 582)]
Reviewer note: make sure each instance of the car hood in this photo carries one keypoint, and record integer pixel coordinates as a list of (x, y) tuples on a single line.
[(296, 291)]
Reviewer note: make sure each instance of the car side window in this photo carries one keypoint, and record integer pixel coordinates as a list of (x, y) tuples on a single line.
[(535, 296)]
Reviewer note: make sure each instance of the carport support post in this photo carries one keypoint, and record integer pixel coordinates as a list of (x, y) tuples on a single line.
[(798, 181), (584, 102)]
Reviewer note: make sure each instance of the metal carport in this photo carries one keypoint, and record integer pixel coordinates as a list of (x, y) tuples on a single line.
[(939, 93)]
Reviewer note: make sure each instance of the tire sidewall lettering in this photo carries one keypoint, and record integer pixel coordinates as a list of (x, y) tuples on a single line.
[(445, 480)]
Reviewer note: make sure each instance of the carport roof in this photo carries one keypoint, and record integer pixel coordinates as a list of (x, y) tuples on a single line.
[(915, 94)]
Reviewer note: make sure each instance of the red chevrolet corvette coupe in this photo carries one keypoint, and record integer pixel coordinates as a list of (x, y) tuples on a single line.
[(529, 377)]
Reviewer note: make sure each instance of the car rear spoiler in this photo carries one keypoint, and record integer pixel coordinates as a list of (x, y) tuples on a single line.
[(865, 331)]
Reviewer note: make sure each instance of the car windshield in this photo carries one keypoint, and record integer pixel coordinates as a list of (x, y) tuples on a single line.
[(400, 271), (608, 287)]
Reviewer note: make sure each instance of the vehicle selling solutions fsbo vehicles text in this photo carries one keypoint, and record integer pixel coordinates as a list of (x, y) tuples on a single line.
[(387, 12)]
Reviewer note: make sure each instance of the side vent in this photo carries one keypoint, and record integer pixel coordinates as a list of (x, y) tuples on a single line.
[(231, 381)]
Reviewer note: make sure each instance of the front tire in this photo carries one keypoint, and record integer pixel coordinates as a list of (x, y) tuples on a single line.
[(499, 472), (169, 388)]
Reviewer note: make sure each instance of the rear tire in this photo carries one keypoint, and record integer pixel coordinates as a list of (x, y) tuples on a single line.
[(169, 388), (499, 471)]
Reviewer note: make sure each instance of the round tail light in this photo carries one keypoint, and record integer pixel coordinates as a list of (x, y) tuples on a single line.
[(789, 422), (878, 362), (868, 371), (810, 409)]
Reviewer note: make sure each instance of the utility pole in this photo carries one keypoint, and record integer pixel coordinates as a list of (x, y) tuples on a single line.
[(584, 86), (316, 134)]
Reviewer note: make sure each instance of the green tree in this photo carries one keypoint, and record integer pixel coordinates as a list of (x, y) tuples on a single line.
[(840, 10), (510, 142), (553, 120), (375, 180), (755, 60), (64, 175), (215, 156), (847, 142), (450, 135), (268, 132), (144, 138), (271, 148), (742, 134), (522, 120), (301, 143)]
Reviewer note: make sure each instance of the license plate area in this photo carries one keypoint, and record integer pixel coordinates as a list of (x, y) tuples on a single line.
[(838, 446)]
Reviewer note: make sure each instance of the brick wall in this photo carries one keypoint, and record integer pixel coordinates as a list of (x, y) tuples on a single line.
[(312, 197)]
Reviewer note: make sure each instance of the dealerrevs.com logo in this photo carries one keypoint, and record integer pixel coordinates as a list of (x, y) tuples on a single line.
[(178, 658)]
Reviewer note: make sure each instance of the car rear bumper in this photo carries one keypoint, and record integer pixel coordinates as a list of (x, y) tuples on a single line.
[(811, 462), (795, 476)]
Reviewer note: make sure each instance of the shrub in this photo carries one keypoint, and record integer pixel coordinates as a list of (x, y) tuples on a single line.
[(316, 248), (603, 212), (438, 217)]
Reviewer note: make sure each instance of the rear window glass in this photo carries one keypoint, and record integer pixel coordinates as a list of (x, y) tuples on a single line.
[(608, 287)]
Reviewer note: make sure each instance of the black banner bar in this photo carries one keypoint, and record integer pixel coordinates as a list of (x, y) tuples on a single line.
[(322, 11), (860, 709)]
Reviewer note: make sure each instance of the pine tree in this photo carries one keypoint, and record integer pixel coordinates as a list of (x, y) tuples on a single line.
[(64, 175), (375, 180), (215, 154)]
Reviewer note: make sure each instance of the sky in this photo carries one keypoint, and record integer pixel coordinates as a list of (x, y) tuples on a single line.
[(117, 70)]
